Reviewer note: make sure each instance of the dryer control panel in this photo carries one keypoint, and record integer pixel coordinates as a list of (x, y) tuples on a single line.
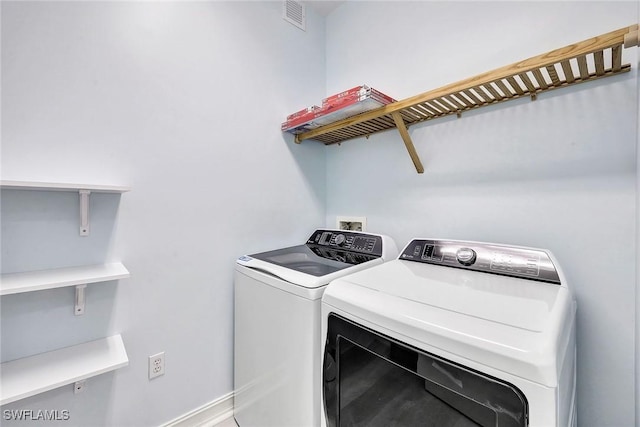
[(526, 263), (365, 243)]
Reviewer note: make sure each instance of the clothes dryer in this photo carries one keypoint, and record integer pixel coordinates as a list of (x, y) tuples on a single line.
[(451, 333), (277, 323)]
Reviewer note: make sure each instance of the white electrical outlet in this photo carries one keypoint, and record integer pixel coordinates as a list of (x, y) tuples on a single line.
[(156, 365), (351, 223)]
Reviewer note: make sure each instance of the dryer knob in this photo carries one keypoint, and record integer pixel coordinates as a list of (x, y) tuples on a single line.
[(466, 256), (340, 239)]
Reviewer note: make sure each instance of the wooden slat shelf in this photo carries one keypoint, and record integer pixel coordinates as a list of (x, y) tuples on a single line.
[(588, 60)]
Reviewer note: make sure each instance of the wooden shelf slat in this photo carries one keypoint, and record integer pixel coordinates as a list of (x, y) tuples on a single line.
[(542, 83), (432, 106), (503, 87), (515, 85), (413, 114), (582, 65), (568, 71), (599, 60), (494, 93), (616, 58), (473, 96), (454, 102), (551, 69)]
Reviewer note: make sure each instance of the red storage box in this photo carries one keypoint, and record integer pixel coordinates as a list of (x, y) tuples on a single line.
[(303, 112), (337, 107), (358, 93)]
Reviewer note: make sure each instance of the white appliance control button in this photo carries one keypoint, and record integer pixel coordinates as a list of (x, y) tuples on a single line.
[(466, 256), (340, 239)]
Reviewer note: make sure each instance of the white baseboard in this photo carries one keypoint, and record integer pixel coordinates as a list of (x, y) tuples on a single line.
[(207, 415)]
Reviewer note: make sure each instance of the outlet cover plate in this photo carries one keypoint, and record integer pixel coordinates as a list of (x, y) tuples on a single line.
[(156, 365)]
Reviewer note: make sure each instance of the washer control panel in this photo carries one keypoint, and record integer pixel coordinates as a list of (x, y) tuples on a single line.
[(348, 241), (526, 263)]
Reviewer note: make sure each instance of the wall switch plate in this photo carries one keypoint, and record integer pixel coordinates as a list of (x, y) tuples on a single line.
[(351, 223), (156, 365)]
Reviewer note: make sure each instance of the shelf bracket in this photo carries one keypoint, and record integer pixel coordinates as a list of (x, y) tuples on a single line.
[(84, 212), (404, 133), (80, 300)]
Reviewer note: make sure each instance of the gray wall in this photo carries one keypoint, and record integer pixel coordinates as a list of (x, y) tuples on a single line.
[(558, 173), (183, 102)]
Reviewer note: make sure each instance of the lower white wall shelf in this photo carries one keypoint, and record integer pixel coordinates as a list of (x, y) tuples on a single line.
[(32, 375), (14, 283)]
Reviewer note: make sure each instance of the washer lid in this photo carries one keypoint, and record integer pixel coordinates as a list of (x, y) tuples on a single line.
[(327, 255), (302, 269), (508, 323), (314, 260)]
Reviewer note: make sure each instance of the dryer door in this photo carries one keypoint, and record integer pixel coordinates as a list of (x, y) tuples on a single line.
[(372, 380)]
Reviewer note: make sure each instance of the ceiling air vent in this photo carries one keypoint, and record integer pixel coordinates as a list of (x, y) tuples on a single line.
[(293, 12)]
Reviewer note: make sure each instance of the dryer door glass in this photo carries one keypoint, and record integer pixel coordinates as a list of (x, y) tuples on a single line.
[(373, 380)]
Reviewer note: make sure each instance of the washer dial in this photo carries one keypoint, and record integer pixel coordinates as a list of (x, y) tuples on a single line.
[(466, 256)]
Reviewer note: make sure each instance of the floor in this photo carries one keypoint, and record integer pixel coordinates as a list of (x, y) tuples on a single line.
[(229, 422)]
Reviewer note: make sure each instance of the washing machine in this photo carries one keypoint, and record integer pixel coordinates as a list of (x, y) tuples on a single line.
[(277, 349), (451, 333)]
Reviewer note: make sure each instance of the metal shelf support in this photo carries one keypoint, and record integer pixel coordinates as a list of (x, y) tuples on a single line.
[(84, 212), (80, 300)]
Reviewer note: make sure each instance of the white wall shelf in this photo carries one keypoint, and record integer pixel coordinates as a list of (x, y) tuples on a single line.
[(14, 283), (83, 190), (59, 186), (31, 281), (32, 375)]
